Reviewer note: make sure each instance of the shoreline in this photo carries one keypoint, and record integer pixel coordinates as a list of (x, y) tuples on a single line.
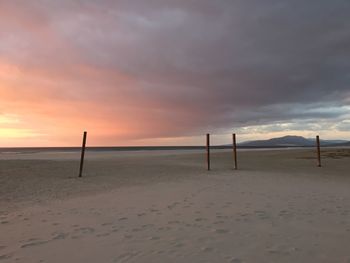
[(29, 150)]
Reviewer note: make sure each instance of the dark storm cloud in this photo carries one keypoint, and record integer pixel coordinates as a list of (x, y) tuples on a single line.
[(201, 64)]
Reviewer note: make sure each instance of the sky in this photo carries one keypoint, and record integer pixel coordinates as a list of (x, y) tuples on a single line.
[(166, 72)]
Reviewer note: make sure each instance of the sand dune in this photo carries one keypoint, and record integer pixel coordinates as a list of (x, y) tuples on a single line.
[(165, 207)]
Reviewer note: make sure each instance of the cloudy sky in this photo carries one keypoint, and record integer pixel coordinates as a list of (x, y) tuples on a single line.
[(161, 72)]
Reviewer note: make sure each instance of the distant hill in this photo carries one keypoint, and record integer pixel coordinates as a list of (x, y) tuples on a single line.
[(346, 144), (292, 141)]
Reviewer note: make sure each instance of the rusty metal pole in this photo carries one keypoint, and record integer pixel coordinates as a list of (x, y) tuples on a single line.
[(235, 150), (318, 151), (208, 151), (82, 155)]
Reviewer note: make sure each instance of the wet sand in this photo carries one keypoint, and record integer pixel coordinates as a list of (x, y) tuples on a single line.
[(165, 207)]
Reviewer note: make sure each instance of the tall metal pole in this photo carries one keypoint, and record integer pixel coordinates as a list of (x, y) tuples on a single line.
[(82, 155), (318, 151), (208, 151), (235, 150)]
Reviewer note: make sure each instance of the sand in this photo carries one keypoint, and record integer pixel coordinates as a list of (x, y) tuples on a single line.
[(165, 207)]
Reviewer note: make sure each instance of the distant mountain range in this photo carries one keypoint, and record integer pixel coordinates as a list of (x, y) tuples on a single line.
[(292, 141)]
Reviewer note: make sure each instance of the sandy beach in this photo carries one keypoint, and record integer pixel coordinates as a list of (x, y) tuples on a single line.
[(164, 206)]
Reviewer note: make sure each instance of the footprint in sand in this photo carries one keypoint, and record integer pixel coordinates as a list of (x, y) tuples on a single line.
[(275, 250), (178, 245), (126, 256), (221, 231), (103, 235), (207, 249), (283, 213), (235, 260), (59, 236), (172, 206), (244, 215), (107, 224), (147, 226), (36, 243), (141, 214), (30, 240), (122, 219), (85, 230), (173, 222), (204, 239), (261, 214), (5, 256), (164, 228)]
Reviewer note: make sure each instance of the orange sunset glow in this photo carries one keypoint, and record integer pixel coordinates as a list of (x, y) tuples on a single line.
[(136, 75)]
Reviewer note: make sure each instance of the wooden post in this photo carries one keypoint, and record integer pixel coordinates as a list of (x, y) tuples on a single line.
[(318, 151), (82, 155), (208, 151), (235, 150)]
